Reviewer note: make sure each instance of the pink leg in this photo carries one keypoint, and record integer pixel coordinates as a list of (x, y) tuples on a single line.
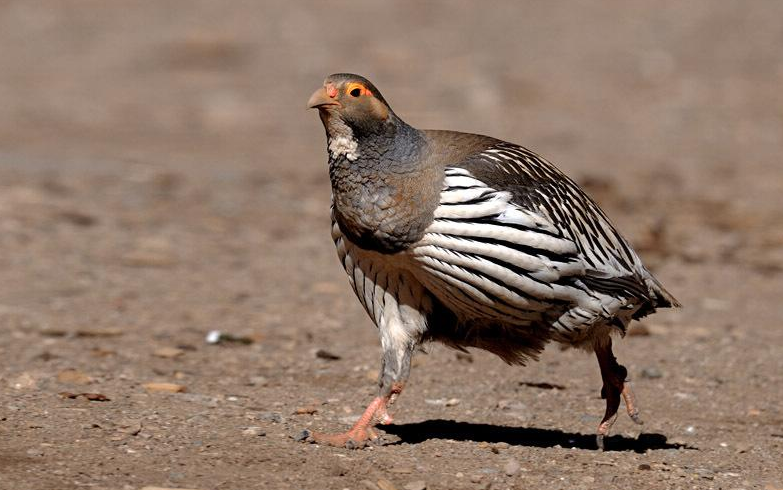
[(362, 431)]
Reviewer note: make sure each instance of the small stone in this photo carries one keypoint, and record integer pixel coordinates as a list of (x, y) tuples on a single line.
[(475, 478), (213, 337), (165, 387), (169, 352), (302, 436), (742, 447), (651, 372), (253, 432), (35, 452), (129, 426), (512, 467), (325, 354), (305, 411), (24, 381), (443, 402), (93, 397), (385, 484), (645, 467), (416, 485), (274, 417)]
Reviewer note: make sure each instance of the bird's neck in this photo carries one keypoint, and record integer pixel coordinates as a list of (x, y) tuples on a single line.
[(389, 145)]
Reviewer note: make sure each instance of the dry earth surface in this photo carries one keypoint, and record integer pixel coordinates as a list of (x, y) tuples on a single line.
[(160, 178)]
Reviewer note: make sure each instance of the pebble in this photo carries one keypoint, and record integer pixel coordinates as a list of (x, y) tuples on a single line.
[(129, 426), (302, 436), (305, 410), (24, 381), (651, 373), (416, 485), (165, 387), (475, 478), (443, 402), (512, 467), (253, 431), (274, 417), (325, 354), (215, 337)]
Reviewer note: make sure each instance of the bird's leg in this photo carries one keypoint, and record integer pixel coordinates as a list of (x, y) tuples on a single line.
[(394, 371), (615, 386)]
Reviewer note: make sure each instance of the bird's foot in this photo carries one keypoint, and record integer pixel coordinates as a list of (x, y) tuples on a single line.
[(355, 438), (612, 403), (360, 434)]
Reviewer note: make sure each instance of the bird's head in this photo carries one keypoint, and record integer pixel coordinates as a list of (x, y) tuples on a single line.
[(351, 100)]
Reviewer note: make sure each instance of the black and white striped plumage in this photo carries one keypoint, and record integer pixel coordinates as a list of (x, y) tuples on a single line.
[(470, 240)]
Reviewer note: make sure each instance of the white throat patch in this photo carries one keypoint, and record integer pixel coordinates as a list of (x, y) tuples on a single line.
[(344, 145)]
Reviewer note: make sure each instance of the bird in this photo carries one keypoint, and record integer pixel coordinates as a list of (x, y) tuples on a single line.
[(473, 242)]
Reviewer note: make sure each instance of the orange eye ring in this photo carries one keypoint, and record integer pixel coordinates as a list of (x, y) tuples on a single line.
[(357, 89)]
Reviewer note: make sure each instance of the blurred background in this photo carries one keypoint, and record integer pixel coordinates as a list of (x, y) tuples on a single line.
[(160, 178)]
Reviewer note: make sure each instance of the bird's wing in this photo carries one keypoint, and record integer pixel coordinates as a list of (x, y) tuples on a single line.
[(513, 219)]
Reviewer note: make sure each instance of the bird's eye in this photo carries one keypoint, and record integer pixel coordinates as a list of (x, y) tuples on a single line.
[(356, 92)]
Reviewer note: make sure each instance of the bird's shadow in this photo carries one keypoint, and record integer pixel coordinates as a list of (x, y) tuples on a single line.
[(414, 433)]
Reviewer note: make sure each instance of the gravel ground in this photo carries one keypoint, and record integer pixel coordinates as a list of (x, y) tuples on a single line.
[(160, 178)]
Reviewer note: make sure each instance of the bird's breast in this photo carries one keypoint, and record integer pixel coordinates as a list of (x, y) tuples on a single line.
[(381, 211)]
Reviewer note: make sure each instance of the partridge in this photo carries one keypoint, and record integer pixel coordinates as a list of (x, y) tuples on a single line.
[(474, 242)]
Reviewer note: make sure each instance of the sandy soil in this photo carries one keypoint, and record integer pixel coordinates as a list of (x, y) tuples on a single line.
[(160, 178)]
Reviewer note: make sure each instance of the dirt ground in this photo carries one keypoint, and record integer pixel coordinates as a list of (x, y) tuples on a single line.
[(160, 178)]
